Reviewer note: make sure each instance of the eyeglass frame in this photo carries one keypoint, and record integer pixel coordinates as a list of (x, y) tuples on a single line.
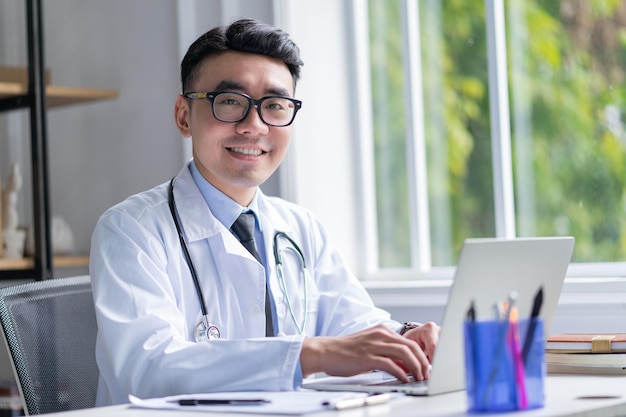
[(210, 97)]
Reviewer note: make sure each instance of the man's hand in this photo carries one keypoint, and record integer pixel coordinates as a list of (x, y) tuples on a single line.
[(426, 336), (376, 348)]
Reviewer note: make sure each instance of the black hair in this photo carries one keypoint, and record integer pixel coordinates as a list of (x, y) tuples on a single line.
[(244, 35)]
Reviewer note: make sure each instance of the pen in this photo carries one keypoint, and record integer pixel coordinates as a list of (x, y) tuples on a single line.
[(221, 401), (471, 313), (532, 324), (518, 365), (344, 403), (472, 329)]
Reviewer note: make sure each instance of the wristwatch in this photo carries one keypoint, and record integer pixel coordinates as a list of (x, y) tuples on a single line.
[(409, 325)]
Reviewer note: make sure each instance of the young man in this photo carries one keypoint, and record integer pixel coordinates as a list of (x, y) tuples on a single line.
[(185, 302)]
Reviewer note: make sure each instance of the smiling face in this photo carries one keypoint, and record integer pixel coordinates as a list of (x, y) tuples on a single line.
[(236, 157)]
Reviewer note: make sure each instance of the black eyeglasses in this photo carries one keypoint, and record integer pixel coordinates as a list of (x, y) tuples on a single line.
[(231, 107)]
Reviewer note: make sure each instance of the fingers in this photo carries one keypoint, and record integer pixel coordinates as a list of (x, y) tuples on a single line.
[(399, 358), (405, 353), (393, 367), (415, 360), (431, 340), (427, 336)]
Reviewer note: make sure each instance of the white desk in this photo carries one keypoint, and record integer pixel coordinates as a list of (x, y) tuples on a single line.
[(565, 396)]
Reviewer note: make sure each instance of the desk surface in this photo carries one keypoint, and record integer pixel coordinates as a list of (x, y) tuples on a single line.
[(566, 395)]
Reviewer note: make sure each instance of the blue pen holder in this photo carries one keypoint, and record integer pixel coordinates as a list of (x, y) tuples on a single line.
[(501, 374)]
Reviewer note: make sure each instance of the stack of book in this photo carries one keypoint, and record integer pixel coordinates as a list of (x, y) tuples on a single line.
[(583, 353)]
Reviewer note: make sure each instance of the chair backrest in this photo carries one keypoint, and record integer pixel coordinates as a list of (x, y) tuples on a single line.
[(50, 331)]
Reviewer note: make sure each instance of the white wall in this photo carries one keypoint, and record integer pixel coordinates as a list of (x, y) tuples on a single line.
[(102, 152), (323, 148)]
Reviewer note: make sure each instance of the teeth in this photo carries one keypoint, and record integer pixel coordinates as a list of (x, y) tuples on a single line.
[(245, 151)]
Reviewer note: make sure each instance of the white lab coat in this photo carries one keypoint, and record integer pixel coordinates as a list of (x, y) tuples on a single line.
[(147, 306)]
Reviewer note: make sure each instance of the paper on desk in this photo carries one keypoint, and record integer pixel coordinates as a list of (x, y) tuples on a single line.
[(283, 402)]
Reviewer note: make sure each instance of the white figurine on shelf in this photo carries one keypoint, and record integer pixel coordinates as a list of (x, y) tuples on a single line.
[(13, 238)]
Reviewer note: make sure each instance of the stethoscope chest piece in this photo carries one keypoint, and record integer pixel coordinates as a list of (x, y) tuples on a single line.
[(206, 331)]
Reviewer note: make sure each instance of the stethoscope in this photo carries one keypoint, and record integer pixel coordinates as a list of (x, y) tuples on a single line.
[(205, 330)]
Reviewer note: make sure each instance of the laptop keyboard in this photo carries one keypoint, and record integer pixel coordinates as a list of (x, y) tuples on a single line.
[(397, 382)]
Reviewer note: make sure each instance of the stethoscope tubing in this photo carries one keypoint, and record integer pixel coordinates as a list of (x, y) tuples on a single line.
[(183, 244), (277, 258)]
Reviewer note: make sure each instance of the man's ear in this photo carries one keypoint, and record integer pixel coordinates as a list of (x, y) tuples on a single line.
[(182, 116)]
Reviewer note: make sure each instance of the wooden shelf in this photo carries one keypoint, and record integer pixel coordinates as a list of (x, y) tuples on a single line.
[(57, 262), (70, 261), (23, 263), (59, 96)]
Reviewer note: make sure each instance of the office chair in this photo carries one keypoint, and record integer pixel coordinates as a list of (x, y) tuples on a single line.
[(50, 331)]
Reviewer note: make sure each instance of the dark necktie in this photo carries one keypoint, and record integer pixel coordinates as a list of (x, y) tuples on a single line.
[(244, 230)]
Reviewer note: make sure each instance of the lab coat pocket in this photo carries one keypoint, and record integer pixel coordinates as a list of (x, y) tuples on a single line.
[(313, 300)]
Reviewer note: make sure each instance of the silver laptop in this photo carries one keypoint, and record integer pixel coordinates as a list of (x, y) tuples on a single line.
[(488, 271)]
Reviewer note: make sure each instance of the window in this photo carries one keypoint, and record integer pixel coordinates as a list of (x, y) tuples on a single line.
[(499, 119)]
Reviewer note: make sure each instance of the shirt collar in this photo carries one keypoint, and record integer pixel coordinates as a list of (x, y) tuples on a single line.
[(224, 208)]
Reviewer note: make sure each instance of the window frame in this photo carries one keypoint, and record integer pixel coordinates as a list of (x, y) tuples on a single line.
[(504, 202)]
